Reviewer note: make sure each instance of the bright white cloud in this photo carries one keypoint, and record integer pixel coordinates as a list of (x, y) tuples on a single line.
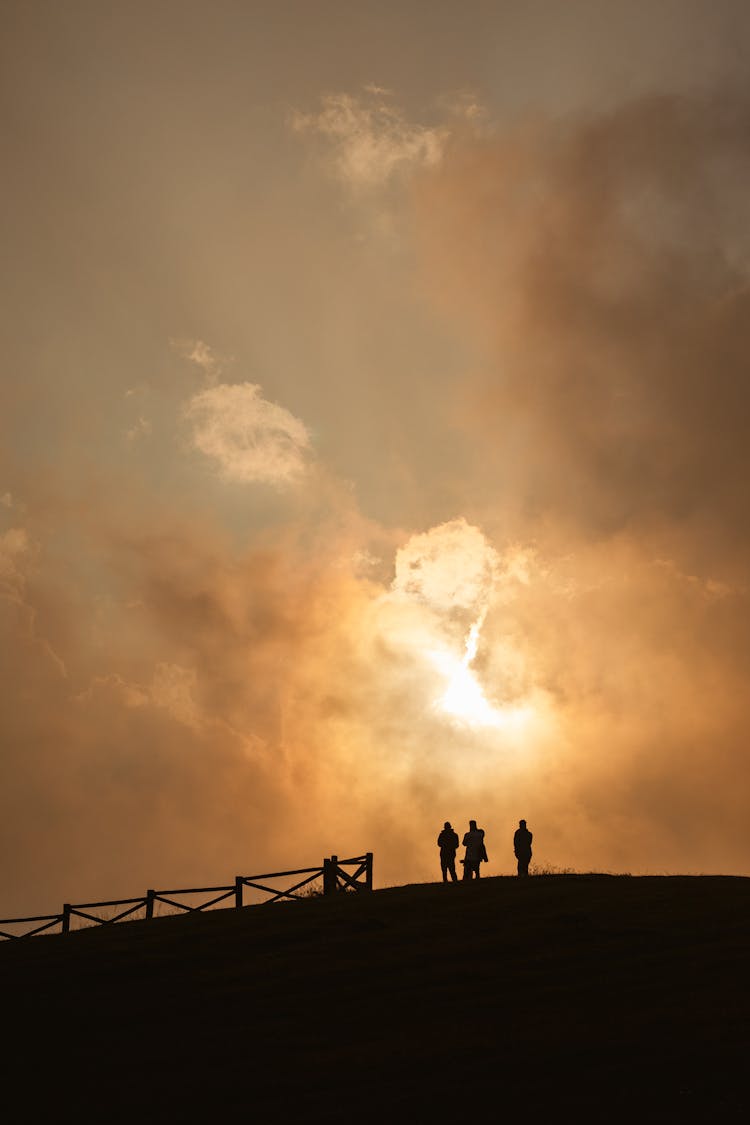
[(371, 140), (438, 602), (449, 567), (249, 438), (447, 579)]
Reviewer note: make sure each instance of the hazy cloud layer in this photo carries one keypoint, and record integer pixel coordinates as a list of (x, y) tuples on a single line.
[(543, 392)]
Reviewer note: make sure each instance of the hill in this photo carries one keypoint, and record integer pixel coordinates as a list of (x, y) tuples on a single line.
[(600, 997)]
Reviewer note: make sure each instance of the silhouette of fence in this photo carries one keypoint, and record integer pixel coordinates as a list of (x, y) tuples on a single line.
[(332, 872)]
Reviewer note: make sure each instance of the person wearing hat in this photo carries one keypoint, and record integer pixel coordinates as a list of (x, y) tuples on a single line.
[(448, 842)]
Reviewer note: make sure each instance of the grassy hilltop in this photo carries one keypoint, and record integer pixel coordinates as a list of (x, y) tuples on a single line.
[(601, 997)]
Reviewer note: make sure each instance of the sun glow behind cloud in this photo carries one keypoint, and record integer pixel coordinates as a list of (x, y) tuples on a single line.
[(446, 580), (464, 700)]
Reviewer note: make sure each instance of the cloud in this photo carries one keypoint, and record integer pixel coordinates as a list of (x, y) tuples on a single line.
[(172, 689), (443, 582), (370, 140), (233, 701), (142, 428), (202, 356), (14, 557), (450, 567), (114, 686), (598, 266), (272, 705), (249, 438), (601, 266), (446, 581)]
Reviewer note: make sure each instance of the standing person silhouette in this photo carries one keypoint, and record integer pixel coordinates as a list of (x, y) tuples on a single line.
[(475, 850), (448, 842), (522, 847)]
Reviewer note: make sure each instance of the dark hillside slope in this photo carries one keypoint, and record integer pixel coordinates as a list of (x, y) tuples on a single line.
[(607, 998)]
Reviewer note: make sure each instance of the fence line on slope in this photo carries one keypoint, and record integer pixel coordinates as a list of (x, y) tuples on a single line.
[(332, 872)]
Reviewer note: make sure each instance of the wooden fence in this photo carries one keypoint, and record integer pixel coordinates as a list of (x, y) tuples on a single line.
[(332, 873)]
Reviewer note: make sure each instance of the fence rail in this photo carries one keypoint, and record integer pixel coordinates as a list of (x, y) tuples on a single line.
[(332, 872)]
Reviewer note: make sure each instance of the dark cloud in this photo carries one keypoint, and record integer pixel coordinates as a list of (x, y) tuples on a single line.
[(605, 265)]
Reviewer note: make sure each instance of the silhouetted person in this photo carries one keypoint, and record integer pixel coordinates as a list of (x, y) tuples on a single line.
[(448, 843), (522, 847), (475, 851)]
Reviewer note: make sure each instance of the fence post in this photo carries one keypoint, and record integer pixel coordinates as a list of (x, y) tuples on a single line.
[(368, 872), (238, 887), (150, 896), (65, 924), (330, 867)]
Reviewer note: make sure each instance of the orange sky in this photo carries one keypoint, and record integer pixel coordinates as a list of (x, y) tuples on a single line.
[(374, 446)]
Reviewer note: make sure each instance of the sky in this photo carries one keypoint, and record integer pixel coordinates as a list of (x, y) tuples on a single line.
[(374, 446)]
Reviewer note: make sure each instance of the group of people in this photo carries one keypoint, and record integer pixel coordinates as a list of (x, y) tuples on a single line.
[(476, 852)]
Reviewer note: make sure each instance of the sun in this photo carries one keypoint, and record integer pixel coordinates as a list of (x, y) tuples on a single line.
[(463, 699)]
